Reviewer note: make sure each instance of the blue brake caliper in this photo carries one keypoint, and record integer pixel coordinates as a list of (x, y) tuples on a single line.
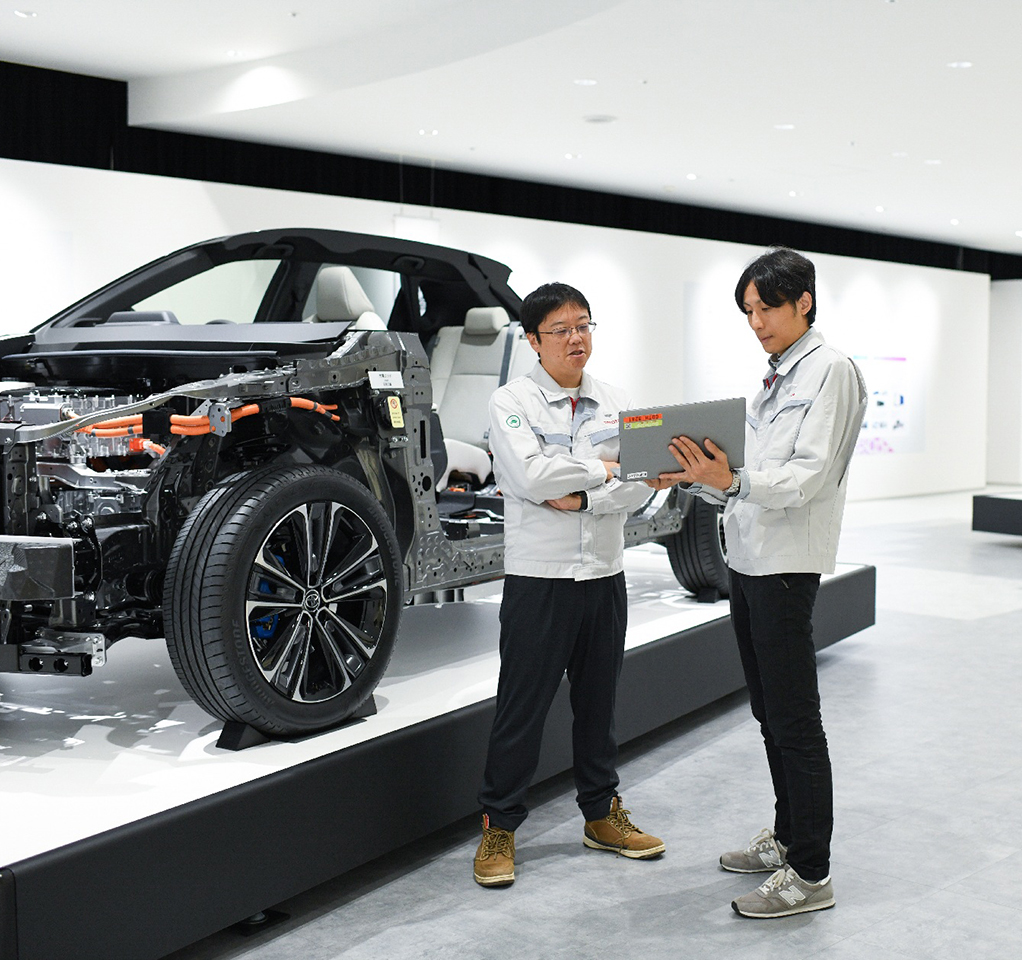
[(265, 627)]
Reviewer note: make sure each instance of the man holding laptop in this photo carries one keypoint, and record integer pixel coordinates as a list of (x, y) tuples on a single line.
[(554, 438), (782, 520)]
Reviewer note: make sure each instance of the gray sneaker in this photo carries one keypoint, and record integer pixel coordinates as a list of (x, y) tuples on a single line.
[(763, 855), (783, 894)]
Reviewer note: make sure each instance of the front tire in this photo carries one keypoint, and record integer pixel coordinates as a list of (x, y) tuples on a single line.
[(697, 552), (283, 594)]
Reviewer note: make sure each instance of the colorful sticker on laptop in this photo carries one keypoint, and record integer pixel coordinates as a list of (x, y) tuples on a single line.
[(643, 420)]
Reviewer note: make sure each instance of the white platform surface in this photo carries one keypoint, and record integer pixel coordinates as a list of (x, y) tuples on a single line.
[(79, 756)]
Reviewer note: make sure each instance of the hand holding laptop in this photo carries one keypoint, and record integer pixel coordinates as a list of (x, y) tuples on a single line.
[(694, 466)]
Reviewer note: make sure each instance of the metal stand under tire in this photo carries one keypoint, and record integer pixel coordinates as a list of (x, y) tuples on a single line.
[(236, 735)]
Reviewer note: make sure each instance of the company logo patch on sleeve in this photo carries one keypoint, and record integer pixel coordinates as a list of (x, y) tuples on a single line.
[(643, 420), (514, 421)]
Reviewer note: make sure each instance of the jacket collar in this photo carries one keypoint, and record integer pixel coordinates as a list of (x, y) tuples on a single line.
[(552, 390), (802, 347)]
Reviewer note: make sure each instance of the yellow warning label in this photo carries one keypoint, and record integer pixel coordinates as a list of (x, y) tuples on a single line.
[(397, 418), (643, 420)]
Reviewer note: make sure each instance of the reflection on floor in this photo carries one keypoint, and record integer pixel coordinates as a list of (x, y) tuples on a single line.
[(923, 718)]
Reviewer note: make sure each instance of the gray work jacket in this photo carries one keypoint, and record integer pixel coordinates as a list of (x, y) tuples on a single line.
[(800, 434), (541, 452)]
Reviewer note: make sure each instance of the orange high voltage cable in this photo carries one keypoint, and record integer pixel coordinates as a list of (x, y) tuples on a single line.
[(195, 425), (138, 444)]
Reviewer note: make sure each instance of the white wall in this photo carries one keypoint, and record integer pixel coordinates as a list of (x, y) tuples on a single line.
[(668, 327), (1004, 389)]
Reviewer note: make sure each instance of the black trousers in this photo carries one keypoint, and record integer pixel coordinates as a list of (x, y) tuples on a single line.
[(772, 619), (548, 627)]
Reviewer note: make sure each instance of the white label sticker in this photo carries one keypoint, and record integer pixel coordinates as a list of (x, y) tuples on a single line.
[(638, 475), (386, 380)]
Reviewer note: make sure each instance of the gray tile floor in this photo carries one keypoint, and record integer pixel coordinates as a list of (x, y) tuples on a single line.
[(925, 724)]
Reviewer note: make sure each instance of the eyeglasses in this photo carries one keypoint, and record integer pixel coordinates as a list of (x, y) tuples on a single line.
[(562, 333)]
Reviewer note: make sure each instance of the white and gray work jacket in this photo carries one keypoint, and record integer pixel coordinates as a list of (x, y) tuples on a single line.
[(800, 434), (542, 452)]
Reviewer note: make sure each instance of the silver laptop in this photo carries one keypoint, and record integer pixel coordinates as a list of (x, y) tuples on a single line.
[(645, 434)]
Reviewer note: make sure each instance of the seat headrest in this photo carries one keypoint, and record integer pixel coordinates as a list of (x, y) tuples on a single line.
[(481, 320), (339, 296)]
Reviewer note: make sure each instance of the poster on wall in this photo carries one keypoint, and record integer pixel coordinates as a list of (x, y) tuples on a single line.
[(894, 414), (892, 332)]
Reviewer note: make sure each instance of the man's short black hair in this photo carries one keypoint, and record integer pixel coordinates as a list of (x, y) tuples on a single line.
[(544, 300), (781, 276)]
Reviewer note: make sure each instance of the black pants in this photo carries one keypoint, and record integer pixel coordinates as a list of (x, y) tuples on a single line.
[(772, 618), (547, 627)]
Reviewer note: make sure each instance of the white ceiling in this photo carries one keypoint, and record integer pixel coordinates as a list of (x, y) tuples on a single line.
[(845, 112)]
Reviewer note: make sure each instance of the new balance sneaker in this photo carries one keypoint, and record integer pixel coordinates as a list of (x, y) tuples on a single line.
[(783, 894), (494, 864), (616, 833), (763, 855)]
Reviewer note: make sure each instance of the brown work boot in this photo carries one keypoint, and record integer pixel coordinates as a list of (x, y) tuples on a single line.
[(495, 859), (616, 833)]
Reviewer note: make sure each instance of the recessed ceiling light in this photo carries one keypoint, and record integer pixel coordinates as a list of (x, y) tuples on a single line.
[(899, 153), (784, 126), (1018, 233), (954, 221), (691, 176), (960, 64), (427, 133), (792, 193), (932, 163), (232, 53), (879, 209), (25, 14), (600, 118), (586, 83), (573, 156)]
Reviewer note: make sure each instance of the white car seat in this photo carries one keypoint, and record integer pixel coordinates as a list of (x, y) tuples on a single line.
[(466, 366), (340, 298)]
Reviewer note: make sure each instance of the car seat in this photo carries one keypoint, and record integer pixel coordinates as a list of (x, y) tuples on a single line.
[(468, 363), (340, 298)]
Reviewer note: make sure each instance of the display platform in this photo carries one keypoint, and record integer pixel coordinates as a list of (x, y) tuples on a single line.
[(1000, 513), (127, 834)]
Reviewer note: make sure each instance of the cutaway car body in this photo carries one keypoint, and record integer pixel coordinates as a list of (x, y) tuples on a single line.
[(245, 447)]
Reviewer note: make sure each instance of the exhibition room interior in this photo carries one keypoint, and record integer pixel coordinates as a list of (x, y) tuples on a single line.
[(643, 151)]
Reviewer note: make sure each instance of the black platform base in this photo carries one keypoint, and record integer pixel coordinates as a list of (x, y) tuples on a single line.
[(997, 514), (150, 887)]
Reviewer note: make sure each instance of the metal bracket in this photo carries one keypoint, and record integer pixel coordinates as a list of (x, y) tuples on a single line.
[(219, 415), (49, 641)]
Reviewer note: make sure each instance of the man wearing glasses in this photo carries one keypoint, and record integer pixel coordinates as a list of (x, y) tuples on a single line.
[(554, 438)]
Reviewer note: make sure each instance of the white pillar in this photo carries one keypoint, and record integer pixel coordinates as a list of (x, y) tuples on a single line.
[(1004, 384)]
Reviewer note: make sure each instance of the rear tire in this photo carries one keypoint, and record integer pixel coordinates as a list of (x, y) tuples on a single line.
[(283, 594), (697, 552)]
